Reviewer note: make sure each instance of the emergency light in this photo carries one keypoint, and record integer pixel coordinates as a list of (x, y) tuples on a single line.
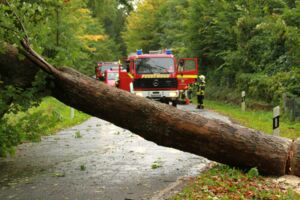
[(139, 52), (168, 51)]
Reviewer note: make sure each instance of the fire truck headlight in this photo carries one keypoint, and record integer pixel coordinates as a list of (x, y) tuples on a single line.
[(173, 94), (139, 94)]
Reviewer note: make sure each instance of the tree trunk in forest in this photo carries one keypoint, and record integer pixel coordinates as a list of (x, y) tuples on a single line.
[(167, 126)]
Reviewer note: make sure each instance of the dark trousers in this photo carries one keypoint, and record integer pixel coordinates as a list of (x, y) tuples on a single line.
[(200, 99), (189, 93)]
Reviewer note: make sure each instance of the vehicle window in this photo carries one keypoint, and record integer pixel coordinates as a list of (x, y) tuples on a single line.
[(154, 65), (113, 76), (190, 65), (106, 67), (186, 65)]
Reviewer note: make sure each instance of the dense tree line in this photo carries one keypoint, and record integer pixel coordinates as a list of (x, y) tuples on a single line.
[(252, 45)]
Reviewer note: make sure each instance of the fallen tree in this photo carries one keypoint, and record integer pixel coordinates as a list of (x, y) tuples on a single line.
[(167, 126)]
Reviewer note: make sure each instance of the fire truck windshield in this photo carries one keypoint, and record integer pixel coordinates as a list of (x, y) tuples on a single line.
[(106, 67), (154, 65)]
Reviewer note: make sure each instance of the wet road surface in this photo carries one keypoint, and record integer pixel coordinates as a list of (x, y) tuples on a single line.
[(96, 160)]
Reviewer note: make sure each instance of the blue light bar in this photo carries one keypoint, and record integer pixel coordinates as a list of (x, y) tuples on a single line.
[(139, 52), (169, 52)]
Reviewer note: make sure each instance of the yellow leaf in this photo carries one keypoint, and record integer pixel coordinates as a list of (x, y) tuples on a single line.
[(84, 11), (93, 37), (90, 49)]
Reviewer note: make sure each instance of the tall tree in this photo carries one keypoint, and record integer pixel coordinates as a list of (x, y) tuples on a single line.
[(112, 14), (142, 27), (173, 24)]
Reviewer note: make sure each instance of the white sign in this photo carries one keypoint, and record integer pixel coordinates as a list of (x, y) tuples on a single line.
[(72, 114), (243, 104), (276, 120)]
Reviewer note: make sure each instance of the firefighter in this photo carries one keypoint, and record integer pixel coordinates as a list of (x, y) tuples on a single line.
[(200, 89), (190, 91)]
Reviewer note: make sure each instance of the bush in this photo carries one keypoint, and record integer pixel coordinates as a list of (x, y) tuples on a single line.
[(50, 116), (270, 88), (9, 137)]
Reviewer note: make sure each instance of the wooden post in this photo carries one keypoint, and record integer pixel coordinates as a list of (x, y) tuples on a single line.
[(276, 116), (72, 114), (243, 105)]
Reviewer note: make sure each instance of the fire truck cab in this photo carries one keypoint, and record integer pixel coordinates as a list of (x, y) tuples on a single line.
[(111, 76), (102, 66), (157, 75)]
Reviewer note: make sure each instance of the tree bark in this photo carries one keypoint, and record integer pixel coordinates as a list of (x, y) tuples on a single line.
[(167, 126)]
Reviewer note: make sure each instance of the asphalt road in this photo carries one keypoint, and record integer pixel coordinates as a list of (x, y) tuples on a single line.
[(96, 160)]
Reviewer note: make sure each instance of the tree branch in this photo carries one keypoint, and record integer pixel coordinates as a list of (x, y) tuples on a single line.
[(18, 19)]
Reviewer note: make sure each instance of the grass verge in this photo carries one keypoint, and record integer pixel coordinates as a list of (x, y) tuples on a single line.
[(259, 120), (223, 182), (49, 117)]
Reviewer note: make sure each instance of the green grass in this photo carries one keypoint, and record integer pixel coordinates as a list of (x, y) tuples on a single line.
[(259, 120), (49, 117), (223, 182)]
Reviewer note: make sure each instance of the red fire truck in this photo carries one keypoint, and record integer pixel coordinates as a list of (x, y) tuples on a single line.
[(102, 66), (157, 75), (111, 76)]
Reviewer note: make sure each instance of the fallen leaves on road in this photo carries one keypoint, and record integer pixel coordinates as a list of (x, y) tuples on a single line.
[(223, 182)]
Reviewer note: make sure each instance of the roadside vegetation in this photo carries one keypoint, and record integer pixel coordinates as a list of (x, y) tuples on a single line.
[(256, 119), (77, 33), (45, 119), (225, 183)]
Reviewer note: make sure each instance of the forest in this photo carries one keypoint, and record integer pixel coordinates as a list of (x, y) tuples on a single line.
[(252, 46)]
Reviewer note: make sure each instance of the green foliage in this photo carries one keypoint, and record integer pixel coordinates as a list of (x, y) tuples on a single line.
[(253, 172), (9, 138), (65, 33), (112, 14), (45, 119), (171, 17), (255, 40), (82, 167), (142, 27), (270, 88), (78, 135), (156, 164)]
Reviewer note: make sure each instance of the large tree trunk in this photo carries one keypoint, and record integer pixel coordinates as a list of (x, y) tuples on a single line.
[(165, 125)]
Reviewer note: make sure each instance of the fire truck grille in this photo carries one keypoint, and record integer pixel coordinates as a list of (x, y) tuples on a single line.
[(155, 83)]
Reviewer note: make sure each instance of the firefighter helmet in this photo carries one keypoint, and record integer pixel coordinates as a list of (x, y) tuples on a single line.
[(202, 77)]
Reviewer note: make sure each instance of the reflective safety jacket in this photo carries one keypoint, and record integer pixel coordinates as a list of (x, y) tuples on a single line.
[(191, 87), (200, 88)]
